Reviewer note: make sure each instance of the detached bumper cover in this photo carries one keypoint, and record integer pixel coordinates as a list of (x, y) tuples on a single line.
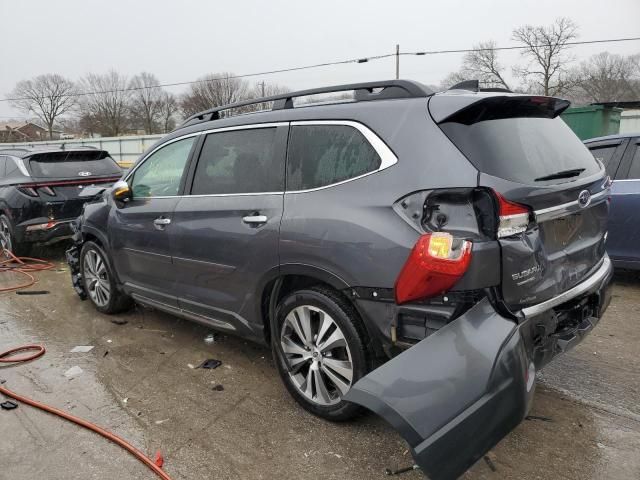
[(458, 392)]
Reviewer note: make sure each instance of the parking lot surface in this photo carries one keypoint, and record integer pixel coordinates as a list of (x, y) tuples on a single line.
[(139, 382)]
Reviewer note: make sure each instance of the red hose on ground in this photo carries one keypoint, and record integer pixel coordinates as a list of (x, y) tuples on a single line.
[(9, 357), (23, 266)]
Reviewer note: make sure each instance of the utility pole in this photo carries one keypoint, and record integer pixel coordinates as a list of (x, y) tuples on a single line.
[(397, 61), (262, 86)]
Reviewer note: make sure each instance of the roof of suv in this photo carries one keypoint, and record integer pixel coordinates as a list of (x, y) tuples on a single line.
[(381, 90), (22, 152)]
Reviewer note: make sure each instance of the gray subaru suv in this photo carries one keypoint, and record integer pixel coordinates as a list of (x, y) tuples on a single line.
[(419, 254)]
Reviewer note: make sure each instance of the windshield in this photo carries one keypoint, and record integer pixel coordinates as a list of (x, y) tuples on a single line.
[(524, 150), (85, 164)]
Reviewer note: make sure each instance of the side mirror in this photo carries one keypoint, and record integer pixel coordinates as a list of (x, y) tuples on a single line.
[(121, 192)]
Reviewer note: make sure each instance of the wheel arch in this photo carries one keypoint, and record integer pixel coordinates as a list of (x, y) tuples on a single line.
[(288, 278)]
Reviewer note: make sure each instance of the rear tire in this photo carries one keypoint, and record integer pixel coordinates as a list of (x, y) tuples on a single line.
[(8, 239), (99, 281), (318, 346)]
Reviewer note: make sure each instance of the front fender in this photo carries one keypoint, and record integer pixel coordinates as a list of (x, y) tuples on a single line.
[(455, 394)]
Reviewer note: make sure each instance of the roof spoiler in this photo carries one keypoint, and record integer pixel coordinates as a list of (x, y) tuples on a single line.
[(471, 109)]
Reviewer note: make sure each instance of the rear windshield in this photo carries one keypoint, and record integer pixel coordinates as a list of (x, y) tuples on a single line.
[(523, 150), (73, 164)]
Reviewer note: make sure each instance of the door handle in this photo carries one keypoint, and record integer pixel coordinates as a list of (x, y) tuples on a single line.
[(254, 219), (161, 222)]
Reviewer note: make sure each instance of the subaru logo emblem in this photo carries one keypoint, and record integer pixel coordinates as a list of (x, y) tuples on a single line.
[(584, 198), (84, 174)]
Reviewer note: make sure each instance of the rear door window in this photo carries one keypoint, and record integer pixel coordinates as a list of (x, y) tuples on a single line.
[(321, 155), (160, 175), (239, 161), (73, 164)]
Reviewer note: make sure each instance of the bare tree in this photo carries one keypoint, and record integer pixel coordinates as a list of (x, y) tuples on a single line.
[(105, 102), (607, 77), (167, 109), (482, 63), (48, 97), (145, 101), (546, 49), (213, 90)]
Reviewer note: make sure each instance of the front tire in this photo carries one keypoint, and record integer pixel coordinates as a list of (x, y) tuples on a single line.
[(99, 281), (318, 346)]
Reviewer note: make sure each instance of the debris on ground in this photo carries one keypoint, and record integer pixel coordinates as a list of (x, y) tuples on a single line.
[(217, 388), (8, 405), (191, 366), (119, 321), (81, 349), (125, 400), (211, 338), (210, 363), (106, 352), (32, 292), (490, 463), (388, 471), (159, 460), (160, 422), (73, 372), (536, 417)]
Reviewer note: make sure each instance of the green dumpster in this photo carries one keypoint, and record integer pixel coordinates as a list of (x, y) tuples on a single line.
[(593, 120)]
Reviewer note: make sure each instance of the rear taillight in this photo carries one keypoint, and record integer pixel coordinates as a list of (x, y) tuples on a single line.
[(513, 217), (435, 264), (30, 191)]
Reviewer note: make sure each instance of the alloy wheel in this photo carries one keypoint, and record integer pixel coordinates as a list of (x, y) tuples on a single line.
[(97, 278), (316, 354)]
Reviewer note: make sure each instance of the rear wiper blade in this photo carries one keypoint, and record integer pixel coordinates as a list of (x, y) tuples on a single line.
[(574, 172)]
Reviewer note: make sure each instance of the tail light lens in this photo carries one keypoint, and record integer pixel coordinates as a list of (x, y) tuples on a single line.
[(48, 190), (435, 264), (30, 191), (513, 217)]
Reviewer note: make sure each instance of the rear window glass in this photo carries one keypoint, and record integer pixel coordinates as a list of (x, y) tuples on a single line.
[(322, 155), (73, 164), (522, 149)]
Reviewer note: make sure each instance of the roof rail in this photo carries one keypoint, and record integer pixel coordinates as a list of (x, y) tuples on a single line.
[(474, 86), (363, 92)]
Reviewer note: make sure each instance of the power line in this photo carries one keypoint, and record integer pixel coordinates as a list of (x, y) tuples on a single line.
[(520, 47), (325, 64)]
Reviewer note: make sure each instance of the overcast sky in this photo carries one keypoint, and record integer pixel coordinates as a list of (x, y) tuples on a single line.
[(180, 41)]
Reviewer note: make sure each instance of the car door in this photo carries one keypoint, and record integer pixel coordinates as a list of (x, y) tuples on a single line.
[(624, 219), (139, 229), (610, 153), (224, 233)]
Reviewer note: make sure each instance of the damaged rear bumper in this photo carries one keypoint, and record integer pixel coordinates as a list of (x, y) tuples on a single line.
[(458, 392)]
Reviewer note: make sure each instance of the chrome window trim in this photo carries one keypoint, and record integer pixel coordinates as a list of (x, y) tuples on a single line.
[(597, 277), (387, 157), (568, 208), (19, 162)]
